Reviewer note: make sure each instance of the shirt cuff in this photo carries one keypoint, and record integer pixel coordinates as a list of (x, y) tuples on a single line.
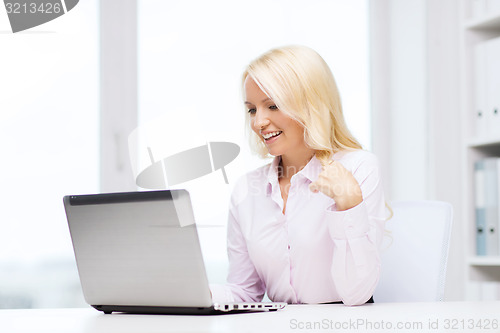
[(221, 293), (350, 223)]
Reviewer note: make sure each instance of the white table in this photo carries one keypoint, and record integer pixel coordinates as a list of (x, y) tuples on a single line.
[(378, 317)]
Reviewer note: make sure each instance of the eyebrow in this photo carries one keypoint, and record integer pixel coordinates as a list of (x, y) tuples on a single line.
[(264, 100)]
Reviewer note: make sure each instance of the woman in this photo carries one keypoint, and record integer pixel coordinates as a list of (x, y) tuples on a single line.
[(307, 227)]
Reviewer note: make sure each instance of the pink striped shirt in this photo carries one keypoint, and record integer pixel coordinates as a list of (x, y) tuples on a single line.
[(312, 253)]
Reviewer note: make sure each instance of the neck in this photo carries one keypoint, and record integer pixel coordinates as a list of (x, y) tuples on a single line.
[(290, 165)]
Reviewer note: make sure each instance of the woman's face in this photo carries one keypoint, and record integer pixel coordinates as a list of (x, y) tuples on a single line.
[(281, 134)]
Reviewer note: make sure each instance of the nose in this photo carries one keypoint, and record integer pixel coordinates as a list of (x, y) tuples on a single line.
[(261, 119)]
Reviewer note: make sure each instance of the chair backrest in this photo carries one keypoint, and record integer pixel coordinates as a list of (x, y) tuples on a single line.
[(414, 252)]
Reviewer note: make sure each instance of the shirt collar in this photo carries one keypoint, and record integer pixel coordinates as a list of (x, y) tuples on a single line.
[(311, 172), (272, 175), (312, 169)]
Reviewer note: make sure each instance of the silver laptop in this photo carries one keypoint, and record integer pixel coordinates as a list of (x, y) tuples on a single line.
[(139, 252)]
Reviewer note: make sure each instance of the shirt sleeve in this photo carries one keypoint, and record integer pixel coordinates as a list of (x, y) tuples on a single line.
[(243, 282), (357, 235)]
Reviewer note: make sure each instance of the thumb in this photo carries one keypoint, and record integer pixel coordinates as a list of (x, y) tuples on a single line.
[(314, 187)]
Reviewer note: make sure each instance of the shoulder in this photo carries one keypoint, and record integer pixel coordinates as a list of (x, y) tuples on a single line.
[(356, 158), (359, 162)]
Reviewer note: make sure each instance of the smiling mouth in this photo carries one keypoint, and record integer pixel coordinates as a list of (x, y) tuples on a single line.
[(271, 135)]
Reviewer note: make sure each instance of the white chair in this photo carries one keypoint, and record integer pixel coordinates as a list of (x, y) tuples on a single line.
[(414, 252)]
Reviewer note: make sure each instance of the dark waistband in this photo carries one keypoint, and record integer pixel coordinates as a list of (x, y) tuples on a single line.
[(340, 302)]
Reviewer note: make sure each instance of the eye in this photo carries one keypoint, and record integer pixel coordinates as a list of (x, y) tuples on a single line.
[(252, 111), (273, 107)]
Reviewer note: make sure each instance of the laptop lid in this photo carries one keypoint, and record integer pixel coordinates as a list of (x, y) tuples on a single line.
[(138, 249)]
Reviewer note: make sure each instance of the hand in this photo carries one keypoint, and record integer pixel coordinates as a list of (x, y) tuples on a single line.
[(339, 184)]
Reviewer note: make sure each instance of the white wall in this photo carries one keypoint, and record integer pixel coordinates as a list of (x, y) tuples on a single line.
[(444, 127), (400, 72), (416, 126)]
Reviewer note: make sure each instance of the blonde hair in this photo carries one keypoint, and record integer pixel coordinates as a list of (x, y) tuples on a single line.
[(301, 84)]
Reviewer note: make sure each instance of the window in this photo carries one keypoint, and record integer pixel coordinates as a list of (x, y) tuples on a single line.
[(49, 134)]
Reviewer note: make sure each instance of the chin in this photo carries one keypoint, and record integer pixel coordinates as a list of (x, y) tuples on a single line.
[(273, 152)]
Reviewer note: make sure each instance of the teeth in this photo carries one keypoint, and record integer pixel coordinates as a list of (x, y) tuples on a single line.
[(269, 135)]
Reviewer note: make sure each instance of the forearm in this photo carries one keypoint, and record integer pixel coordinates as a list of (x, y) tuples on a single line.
[(355, 270), (355, 264)]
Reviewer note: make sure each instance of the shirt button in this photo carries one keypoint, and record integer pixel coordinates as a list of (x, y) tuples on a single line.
[(289, 247)]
